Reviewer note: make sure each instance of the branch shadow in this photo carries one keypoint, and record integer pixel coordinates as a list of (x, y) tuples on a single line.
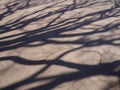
[(84, 71), (55, 29)]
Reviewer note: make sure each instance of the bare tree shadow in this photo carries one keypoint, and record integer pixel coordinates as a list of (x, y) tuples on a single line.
[(54, 29), (84, 71), (57, 29)]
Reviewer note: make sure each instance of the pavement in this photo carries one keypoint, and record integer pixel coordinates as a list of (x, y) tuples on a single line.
[(59, 45)]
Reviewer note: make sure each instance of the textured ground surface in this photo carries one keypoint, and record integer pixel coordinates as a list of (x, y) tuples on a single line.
[(59, 45)]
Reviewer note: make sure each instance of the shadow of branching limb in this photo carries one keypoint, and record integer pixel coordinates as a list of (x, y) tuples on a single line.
[(51, 30), (13, 6), (55, 32), (84, 71)]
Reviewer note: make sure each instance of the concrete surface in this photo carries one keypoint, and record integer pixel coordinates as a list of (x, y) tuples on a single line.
[(59, 45)]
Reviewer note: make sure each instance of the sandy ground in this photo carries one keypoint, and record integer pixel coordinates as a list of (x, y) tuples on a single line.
[(59, 45)]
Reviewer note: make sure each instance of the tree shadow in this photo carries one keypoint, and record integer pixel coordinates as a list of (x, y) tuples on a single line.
[(84, 71), (13, 6), (55, 29)]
